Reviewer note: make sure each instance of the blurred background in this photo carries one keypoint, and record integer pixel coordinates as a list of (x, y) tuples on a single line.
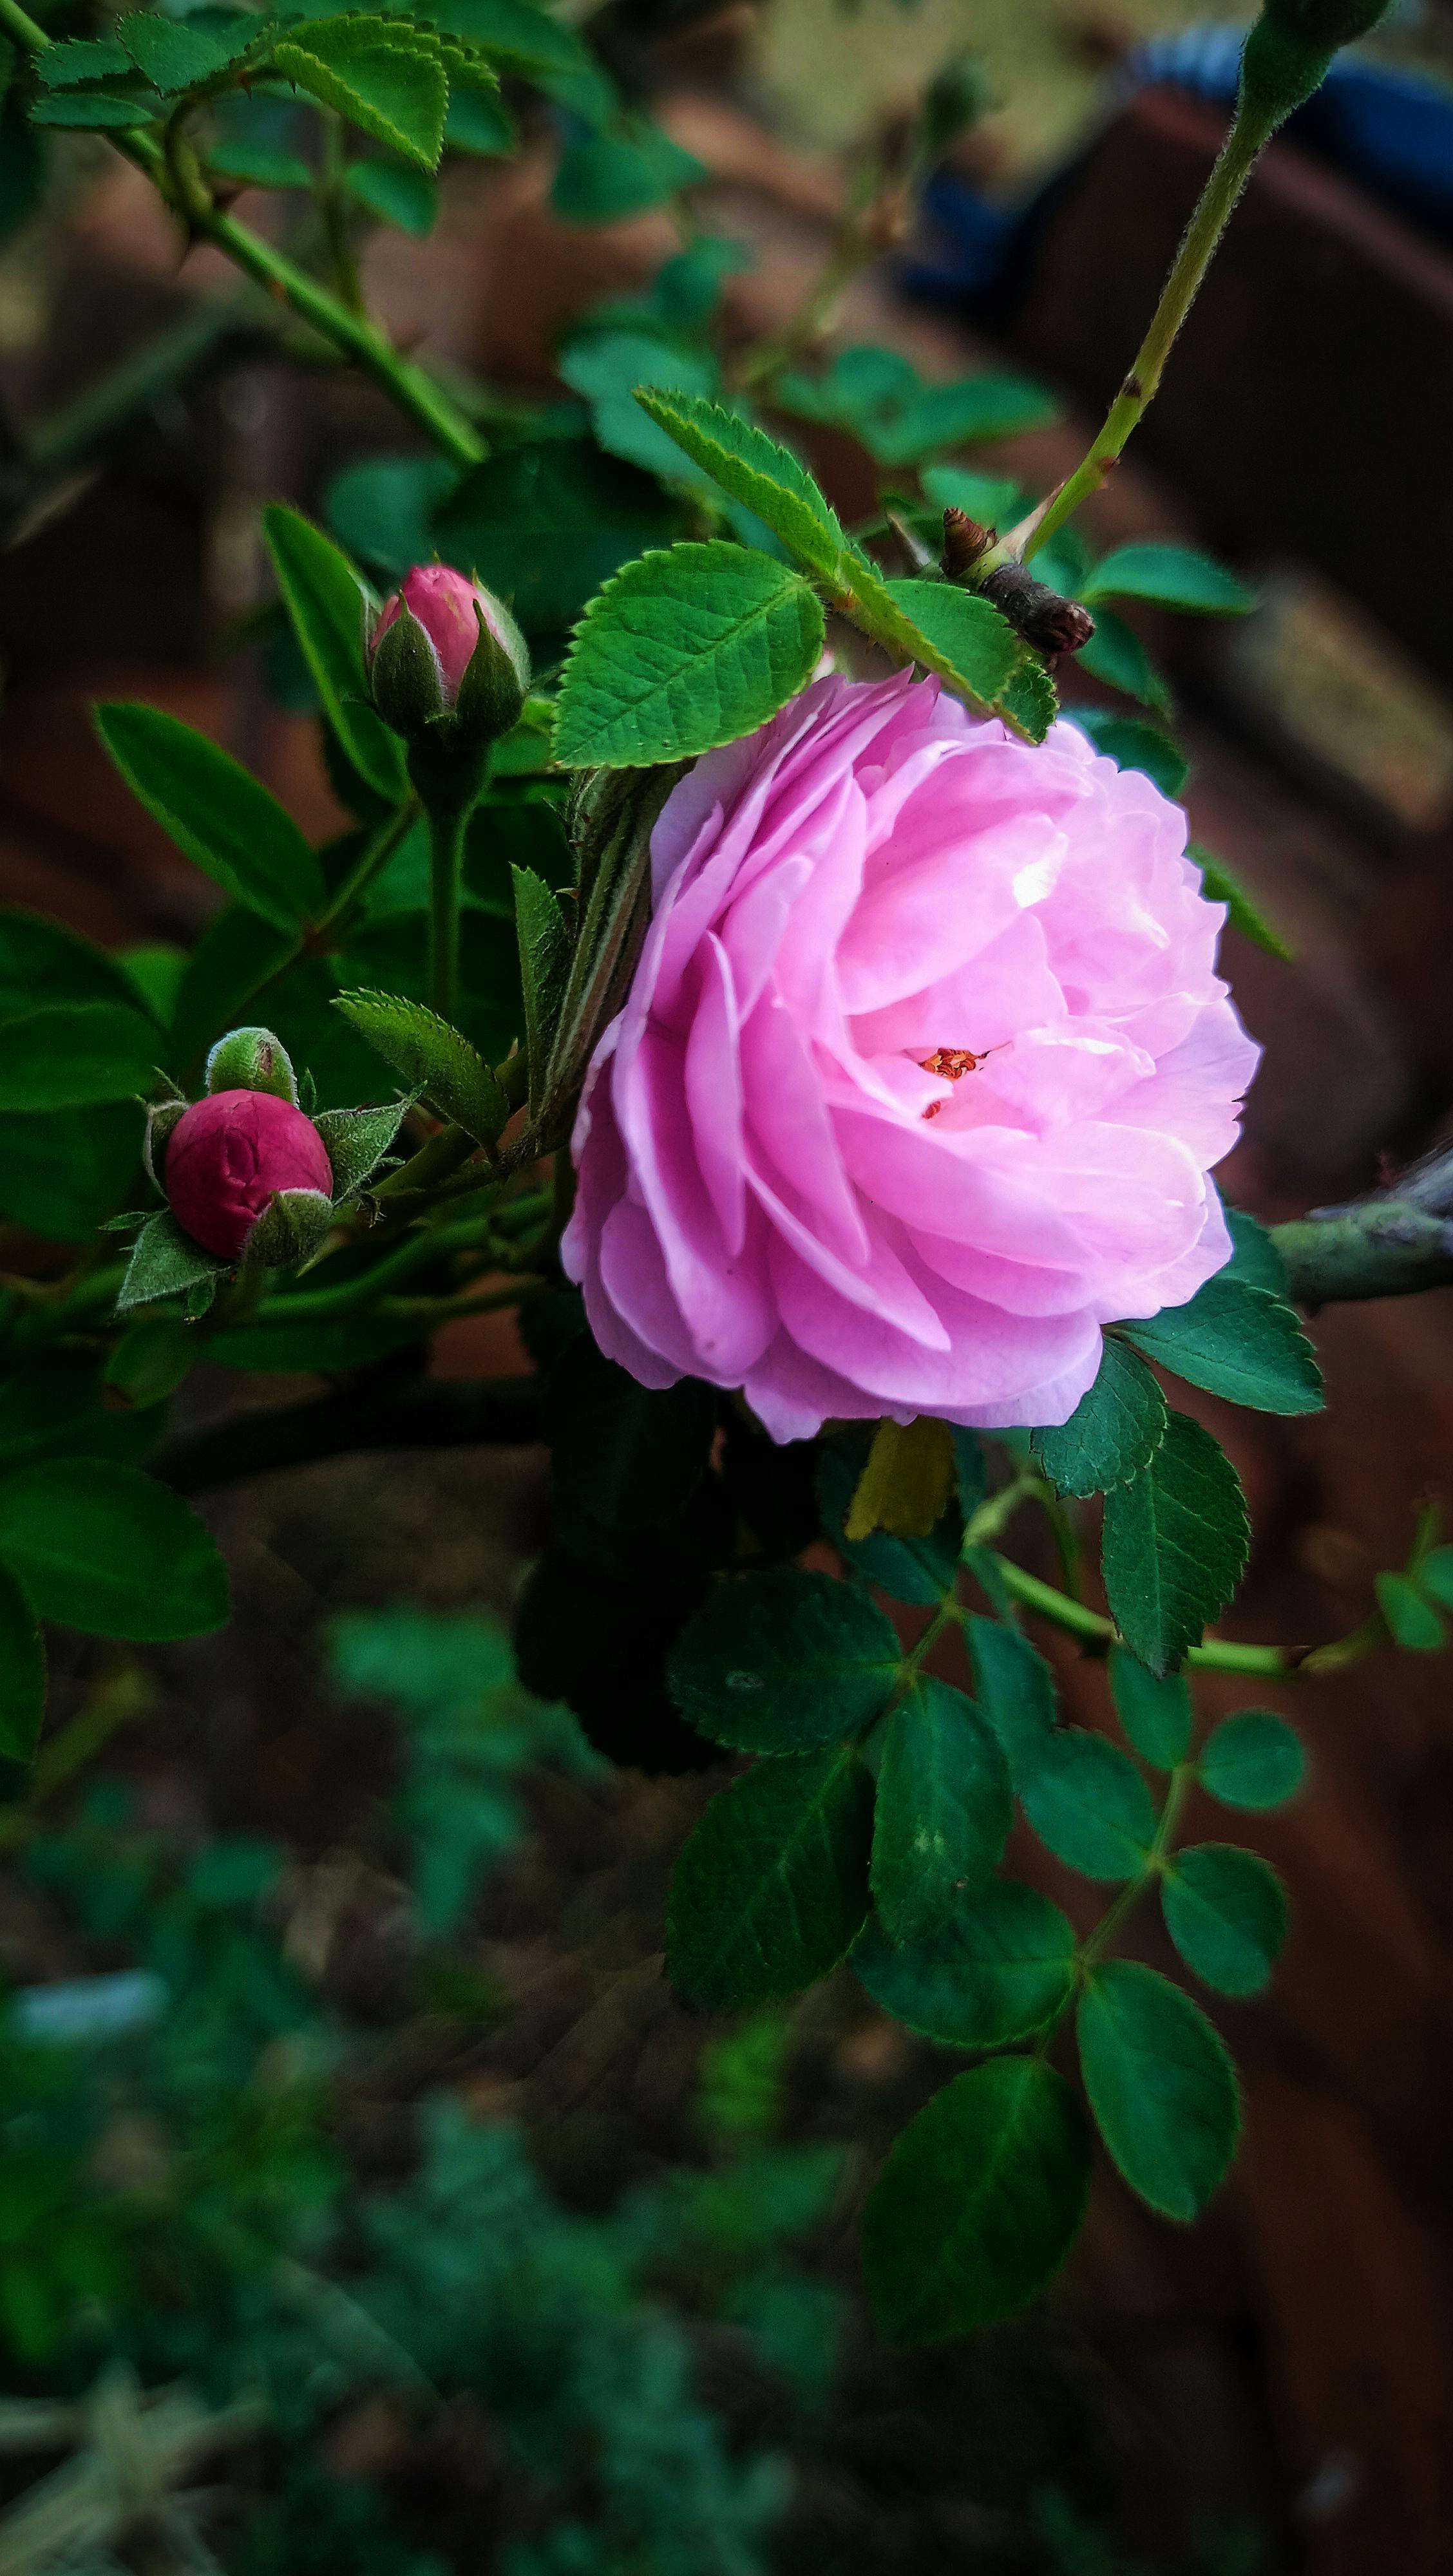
[(366, 2201)]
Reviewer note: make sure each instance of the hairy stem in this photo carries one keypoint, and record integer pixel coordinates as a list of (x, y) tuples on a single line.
[(446, 874)]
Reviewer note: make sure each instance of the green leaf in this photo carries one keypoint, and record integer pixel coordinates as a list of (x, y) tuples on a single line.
[(58, 1409), (150, 1361), (1133, 745), (432, 1057), (943, 1813), (68, 1055), (1116, 655), (385, 76), (1237, 1341), (967, 413), (686, 649), (546, 525), (772, 1889), (1161, 2086), (603, 178), (520, 37), (1252, 1759), (236, 955), (215, 811), (1435, 1576), (1088, 1802), (478, 124), (82, 58), (356, 1141), (175, 55), (382, 510), (1014, 1688), (1155, 1711), (22, 1672), (544, 944), (110, 1551), (406, 198), (755, 470), (41, 963), (1413, 1622), (995, 500), (999, 1966), (607, 367), (1226, 1911), (325, 600), (63, 1170), (1254, 1256), (976, 649), (1029, 700), (93, 111), (1218, 885), (1175, 1544), (259, 165), (1173, 576), (978, 2204), (1113, 1432), (779, 1663), (164, 1263)]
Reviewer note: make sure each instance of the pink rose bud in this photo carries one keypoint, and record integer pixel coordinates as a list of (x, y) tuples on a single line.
[(229, 1155), (921, 1077), (444, 646)]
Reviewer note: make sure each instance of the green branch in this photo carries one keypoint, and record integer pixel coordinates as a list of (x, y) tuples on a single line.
[(176, 173), (1216, 1655)]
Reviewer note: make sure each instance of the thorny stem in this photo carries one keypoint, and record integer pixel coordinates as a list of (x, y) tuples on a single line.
[(1217, 203)]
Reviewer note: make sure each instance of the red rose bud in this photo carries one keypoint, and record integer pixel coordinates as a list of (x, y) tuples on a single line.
[(446, 648), (227, 1159)]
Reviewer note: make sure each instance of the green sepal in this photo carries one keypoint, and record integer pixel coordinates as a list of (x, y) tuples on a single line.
[(493, 690), (161, 1117), (252, 1060), (165, 1262), (150, 1362), (356, 1141), (291, 1230), (403, 674)]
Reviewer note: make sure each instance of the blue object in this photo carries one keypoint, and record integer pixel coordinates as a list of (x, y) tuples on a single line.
[(1387, 128)]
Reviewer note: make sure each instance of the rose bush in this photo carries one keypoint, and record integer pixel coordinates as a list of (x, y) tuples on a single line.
[(922, 1074)]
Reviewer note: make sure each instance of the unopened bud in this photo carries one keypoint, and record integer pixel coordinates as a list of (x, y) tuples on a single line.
[(955, 99), (446, 652), (1289, 52), (252, 1060), (228, 1158)]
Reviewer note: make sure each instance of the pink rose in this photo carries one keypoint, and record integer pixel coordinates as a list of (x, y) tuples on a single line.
[(226, 1157), (444, 605), (921, 1075)]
